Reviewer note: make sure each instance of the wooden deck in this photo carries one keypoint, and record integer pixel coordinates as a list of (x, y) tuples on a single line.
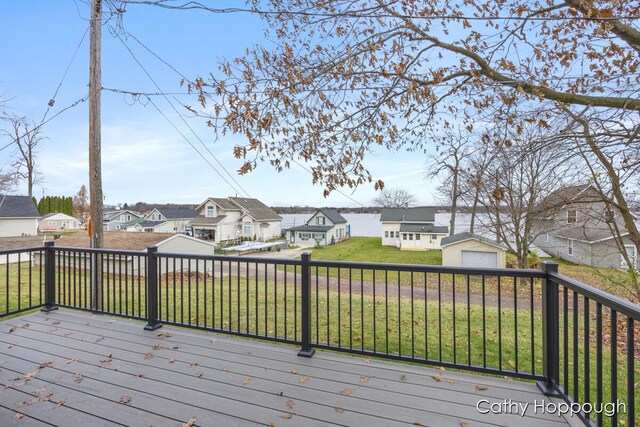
[(70, 368)]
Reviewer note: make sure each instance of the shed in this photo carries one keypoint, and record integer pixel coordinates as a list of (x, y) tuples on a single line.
[(470, 250)]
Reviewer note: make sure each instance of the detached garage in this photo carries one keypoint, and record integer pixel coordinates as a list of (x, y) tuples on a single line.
[(470, 250)]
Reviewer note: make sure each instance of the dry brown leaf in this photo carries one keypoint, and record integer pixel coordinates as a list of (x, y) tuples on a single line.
[(463, 424), (480, 388), (199, 374), (107, 359), (25, 325), (271, 424), (418, 423), (294, 372), (290, 404), (139, 375), (364, 379), (66, 334), (159, 346), (304, 379), (246, 380), (30, 375), (403, 377), (164, 335), (77, 378), (55, 322), (70, 361), (39, 390), (125, 400), (172, 359), (286, 416), (226, 369), (339, 410), (367, 361), (19, 416), (438, 377), (347, 391), (190, 423), (450, 381), (46, 364), (59, 404), (148, 356), (192, 364)]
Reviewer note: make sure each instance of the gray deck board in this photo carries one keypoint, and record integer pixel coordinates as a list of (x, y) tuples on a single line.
[(227, 381)]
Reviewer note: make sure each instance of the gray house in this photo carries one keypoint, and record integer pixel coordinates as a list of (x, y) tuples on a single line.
[(325, 227), (119, 220), (579, 225), (175, 220), (18, 216)]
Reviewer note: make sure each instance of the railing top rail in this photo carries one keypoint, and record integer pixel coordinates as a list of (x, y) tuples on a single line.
[(19, 250), (99, 251), (231, 258), (618, 304), (510, 272)]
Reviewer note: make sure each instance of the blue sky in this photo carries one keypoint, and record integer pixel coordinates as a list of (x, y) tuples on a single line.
[(144, 157)]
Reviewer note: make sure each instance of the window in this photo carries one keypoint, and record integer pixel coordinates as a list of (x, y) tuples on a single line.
[(51, 223), (118, 227), (410, 236), (417, 237), (386, 234), (404, 236), (247, 229), (318, 236), (572, 216), (546, 238), (397, 234), (609, 215), (434, 237), (320, 220), (570, 247), (128, 217), (64, 224), (305, 236), (210, 211)]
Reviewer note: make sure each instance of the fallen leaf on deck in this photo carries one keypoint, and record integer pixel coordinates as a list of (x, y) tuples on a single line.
[(55, 322), (286, 416), (290, 404), (125, 400), (199, 374), (192, 364), (480, 388), (294, 372), (403, 377), (107, 359), (225, 369), (148, 356), (26, 325), (438, 377), (32, 374), (304, 379), (339, 410), (347, 391), (19, 416), (70, 361), (66, 334), (164, 335), (77, 378), (46, 364), (418, 423), (450, 381), (271, 424), (11, 329), (367, 361), (364, 379), (172, 359), (159, 347), (281, 394), (139, 375), (59, 404), (190, 423), (246, 380), (463, 424)]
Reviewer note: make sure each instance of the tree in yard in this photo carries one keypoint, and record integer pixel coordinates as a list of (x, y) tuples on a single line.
[(394, 198), (449, 161), (26, 136), (81, 204)]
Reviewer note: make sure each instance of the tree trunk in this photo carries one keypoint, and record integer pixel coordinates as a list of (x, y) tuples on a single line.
[(454, 203)]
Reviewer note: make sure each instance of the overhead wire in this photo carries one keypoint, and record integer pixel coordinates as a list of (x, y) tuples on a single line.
[(182, 118)]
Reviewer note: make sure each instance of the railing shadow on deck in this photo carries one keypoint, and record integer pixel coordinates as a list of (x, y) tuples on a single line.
[(576, 341)]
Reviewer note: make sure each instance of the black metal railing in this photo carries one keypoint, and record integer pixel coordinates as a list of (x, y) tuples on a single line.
[(578, 342)]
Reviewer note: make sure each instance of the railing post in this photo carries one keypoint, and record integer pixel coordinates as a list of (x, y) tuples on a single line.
[(306, 350), (49, 277), (152, 289), (550, 325)]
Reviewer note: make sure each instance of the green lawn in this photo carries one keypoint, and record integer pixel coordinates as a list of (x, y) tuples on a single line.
[(370, 249)]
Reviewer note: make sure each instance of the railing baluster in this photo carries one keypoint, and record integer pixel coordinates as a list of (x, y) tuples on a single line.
[(587, 350), (631, 385), (599, 379)]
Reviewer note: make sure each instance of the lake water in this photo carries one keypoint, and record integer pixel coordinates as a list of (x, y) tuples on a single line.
[(369, 224)]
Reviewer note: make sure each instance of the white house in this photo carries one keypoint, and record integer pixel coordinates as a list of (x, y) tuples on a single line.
[(58, 222), (18, 216), (326, 226), (172, 220), (234, 218), (411, 229)]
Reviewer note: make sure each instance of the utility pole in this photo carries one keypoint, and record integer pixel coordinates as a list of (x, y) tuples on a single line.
[(95, 157)]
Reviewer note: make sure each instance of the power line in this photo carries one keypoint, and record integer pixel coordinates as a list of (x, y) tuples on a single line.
[(182, 118), (359, 15)]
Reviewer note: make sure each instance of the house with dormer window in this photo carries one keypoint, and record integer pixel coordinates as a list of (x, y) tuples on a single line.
[(325, 227), (411, 229)]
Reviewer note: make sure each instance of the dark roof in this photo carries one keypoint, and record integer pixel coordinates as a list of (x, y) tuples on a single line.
[(150, 224), (419, 214), (17, 207), (589, 232), (461, 237), (177, 213), (333, 215), (205, 220), (311, 228), (570, 194), (423, 228), (256, 209)]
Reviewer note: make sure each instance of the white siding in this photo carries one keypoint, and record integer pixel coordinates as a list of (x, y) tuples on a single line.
[(15, 227)]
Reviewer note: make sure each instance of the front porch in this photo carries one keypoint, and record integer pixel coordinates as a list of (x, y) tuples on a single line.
[(72, 368)]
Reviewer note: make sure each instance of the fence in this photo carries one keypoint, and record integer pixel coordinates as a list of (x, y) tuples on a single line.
[(577, 342)]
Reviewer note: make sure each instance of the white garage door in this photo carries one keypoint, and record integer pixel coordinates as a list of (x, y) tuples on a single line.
[(479, 259)]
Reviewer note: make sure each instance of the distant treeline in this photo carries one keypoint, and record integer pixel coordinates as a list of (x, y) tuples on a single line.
[(54, 204)]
